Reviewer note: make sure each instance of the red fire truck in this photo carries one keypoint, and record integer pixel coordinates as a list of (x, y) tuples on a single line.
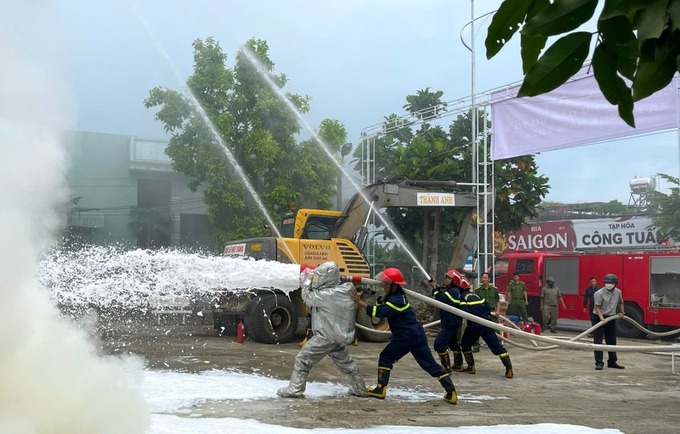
[(650, 283)]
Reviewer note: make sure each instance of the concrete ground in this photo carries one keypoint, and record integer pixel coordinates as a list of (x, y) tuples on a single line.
[(559, 386)]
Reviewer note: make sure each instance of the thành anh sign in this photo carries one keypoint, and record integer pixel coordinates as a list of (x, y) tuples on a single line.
[(436, 199)]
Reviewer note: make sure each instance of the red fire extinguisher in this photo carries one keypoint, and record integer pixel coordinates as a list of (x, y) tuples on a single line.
[(537, 329), (240, 333)]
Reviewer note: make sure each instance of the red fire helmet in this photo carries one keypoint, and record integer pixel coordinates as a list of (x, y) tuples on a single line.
[(455, 276), (391, 275)]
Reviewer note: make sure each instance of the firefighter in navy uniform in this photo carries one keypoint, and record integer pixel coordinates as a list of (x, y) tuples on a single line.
[(448, 337), (472, 303), (408, 335)]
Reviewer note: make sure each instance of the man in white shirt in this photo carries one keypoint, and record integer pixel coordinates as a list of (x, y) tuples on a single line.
[(608, 302)]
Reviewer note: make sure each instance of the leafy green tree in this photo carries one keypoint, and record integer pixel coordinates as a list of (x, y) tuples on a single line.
[(635, 40), (519, 191), (315, 169), (254, 126), (434, 153), (425, 105), (668, 220), (612, 208), (558, 210)]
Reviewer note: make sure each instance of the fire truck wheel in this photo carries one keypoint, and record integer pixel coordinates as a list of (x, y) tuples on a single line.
[(624, 329), (372, 323), (271, 319)]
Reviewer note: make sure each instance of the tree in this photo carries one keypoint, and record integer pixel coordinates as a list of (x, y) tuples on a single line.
[(585, 210), (668, 220), (254, 126), (434, 153), (636, 42), (425, 105), (519, 192), (315, 169)]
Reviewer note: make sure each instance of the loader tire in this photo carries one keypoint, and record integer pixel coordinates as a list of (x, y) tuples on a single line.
[(271, 319), (378, 324)]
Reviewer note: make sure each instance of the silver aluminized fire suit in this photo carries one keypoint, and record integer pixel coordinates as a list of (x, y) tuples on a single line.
[(333, 317)]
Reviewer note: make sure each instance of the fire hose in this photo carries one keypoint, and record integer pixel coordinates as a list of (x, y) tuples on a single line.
[(554, 342)]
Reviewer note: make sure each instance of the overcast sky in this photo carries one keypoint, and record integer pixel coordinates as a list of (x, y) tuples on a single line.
[(357, 59)]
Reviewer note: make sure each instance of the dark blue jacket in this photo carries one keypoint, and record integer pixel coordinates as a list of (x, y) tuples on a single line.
[(450, 296), (400, 316), (472, 303), (589, 298)]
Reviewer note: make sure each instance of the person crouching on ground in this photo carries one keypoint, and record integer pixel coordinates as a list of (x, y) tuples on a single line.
[(408, 335), (473, 304), (448, 337), (333, 318)]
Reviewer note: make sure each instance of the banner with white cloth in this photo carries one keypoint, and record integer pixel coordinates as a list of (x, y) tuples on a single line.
[(574, 114)]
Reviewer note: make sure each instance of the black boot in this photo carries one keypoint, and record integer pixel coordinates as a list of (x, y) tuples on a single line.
[(615, 365), (470, 359), (308, 335), (457, 361), (505, 358), (446, 361), (380, 390), (451, 395)]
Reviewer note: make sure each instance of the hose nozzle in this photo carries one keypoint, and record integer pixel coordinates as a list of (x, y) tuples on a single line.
[(359, 279), (351, 279)]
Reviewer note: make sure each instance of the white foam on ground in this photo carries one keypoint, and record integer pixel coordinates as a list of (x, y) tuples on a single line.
[(171, 396)]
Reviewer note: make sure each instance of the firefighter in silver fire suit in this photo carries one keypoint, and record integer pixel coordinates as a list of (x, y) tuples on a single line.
[(333, 316)]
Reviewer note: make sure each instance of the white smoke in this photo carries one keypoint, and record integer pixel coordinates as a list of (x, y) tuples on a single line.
[(51, 380)]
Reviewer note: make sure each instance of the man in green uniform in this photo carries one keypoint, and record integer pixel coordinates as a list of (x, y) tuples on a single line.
[(550, 296), (517, 298), (490, 294)]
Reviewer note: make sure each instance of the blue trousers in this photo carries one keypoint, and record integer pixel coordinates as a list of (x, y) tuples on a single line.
[(447, 338), (474, 331), (398, 348)]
